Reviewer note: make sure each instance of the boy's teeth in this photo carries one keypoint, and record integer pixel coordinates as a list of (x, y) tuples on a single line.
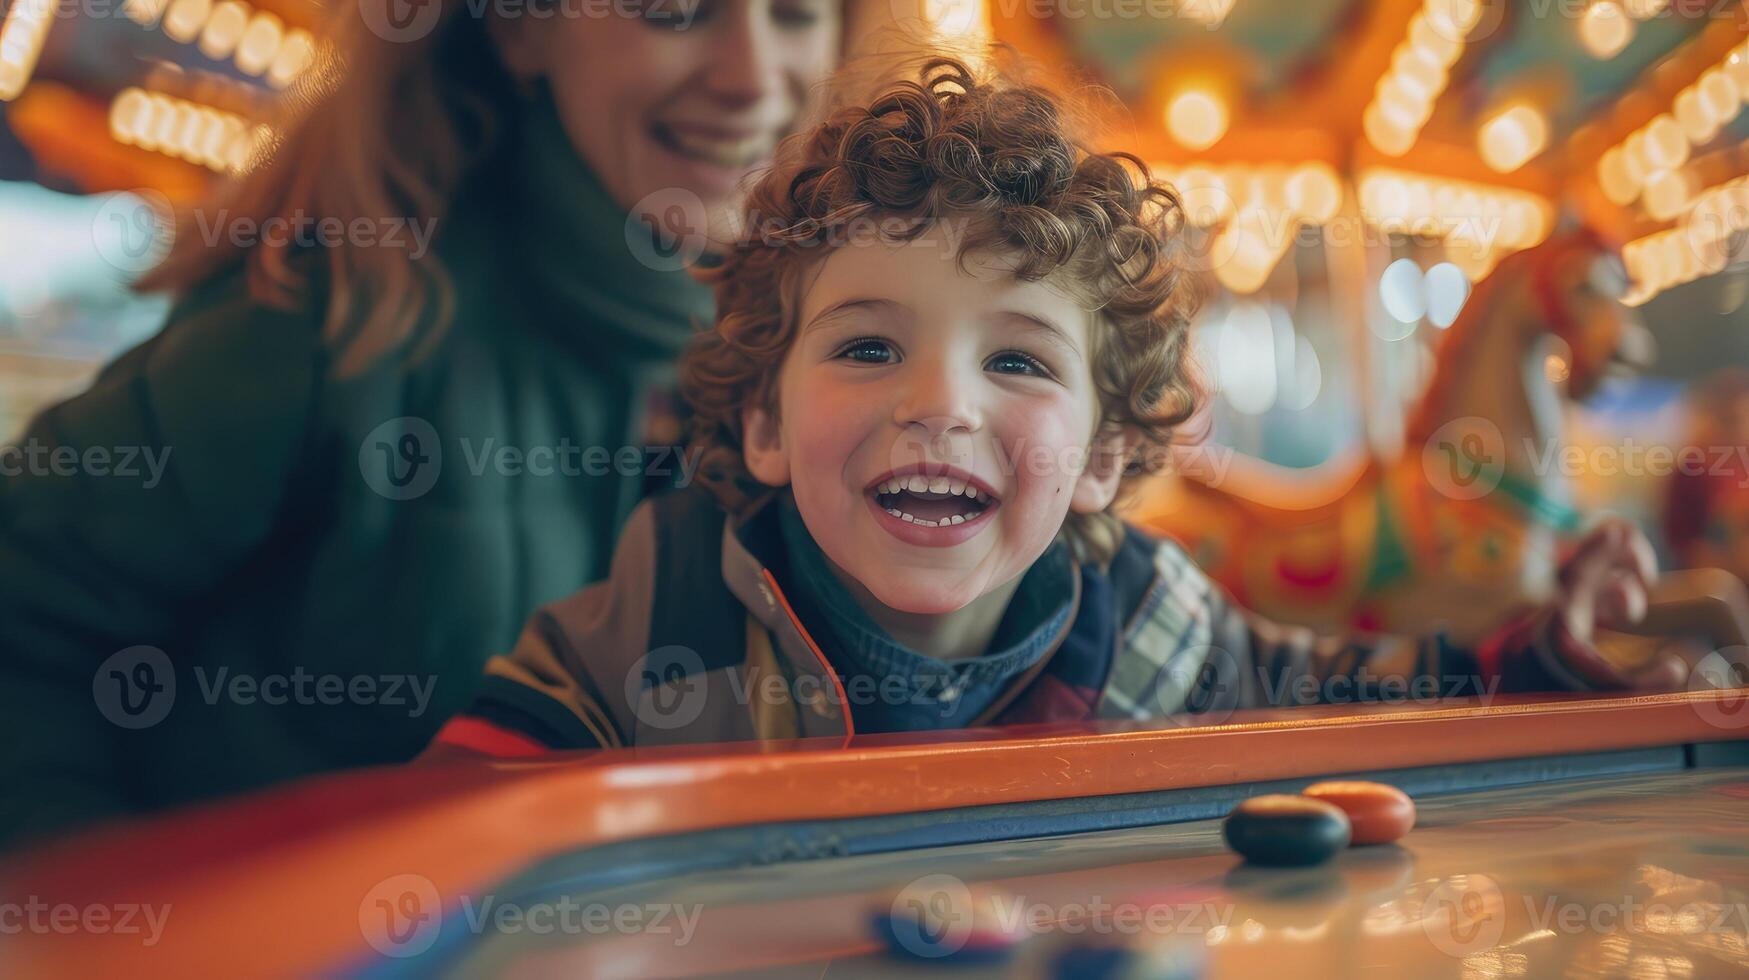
[(944, 522), (918, 483)]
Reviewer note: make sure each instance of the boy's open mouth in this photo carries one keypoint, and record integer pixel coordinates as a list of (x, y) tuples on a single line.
[(937, 501)]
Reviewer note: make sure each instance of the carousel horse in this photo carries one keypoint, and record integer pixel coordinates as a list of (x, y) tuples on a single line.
[(1468, 524)]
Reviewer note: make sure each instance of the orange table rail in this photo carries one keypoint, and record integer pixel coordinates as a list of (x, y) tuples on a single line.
[(272, 884)]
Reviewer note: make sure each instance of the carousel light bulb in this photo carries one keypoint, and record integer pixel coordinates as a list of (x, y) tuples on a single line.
[(1205, 197), (1269, 190), (296, 53), (1667, 193), (1720, 95), (1646, 9), (1605, 29), (1617, 183), (223, 30), (260, 43), (1666, 145), (187, 140), (186, 18), (1401, 107), (1434, 46), (1736, 65), (1314, 193), (21, 43), (1417, 73), (1510, 139), (1197, 118), (127, 115), (166, 115), (1454, 18), (1698, 123)]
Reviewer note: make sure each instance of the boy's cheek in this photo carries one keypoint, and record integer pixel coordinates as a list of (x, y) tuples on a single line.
[(1044, 454)]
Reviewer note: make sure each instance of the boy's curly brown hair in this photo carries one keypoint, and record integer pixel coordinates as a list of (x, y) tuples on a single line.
[(996, 156)]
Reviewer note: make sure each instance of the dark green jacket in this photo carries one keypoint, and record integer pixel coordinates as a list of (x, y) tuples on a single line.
[(299, 616)]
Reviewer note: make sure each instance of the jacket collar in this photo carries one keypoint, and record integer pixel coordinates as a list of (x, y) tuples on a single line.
[(752, 558)]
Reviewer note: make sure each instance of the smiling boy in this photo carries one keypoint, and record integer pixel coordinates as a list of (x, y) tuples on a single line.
[(956, 339)]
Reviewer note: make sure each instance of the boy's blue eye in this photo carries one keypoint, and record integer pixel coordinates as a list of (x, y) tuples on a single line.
[(868, 350), (1014, 362)]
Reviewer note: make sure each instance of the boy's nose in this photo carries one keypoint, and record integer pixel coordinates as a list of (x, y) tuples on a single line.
[(940, 403)]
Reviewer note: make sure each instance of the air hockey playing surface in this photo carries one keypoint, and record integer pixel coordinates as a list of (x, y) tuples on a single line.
[(1637, 872), (1574, 838)]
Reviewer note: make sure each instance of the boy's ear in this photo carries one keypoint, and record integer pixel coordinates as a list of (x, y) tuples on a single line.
[(762, 447), (1096, 487)]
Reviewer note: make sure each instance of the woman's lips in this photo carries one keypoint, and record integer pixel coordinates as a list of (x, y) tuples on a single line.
[(729, 149)]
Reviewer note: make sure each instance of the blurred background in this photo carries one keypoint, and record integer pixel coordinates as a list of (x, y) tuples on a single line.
[(1354, 172)]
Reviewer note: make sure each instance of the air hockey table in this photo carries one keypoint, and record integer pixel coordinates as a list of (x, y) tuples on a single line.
[(1576, 837)]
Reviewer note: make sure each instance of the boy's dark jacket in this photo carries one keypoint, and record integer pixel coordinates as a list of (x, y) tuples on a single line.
[(691, 639)]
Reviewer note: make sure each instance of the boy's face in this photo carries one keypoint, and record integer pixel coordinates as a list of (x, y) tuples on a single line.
[(935, 424)]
